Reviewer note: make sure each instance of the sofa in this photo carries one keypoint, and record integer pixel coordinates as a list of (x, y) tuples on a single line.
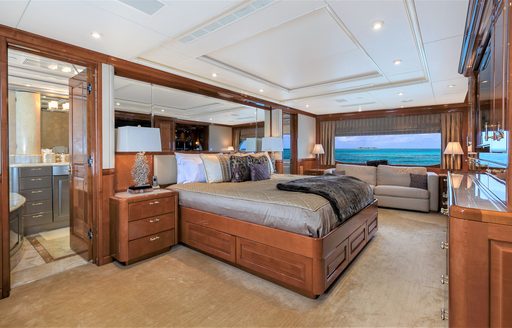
[(391, 185)]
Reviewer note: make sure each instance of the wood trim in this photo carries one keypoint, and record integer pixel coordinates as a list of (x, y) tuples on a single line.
[(294, 134), (5, 270), (436, 109), (131, 116)]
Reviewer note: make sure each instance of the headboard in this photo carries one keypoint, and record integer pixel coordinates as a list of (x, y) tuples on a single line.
[(165, 169)]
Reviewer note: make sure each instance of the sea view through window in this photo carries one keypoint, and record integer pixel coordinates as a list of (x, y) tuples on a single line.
[(403, 149)]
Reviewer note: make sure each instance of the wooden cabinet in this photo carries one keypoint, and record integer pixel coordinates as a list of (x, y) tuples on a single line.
[(167, 132), (143, 224)]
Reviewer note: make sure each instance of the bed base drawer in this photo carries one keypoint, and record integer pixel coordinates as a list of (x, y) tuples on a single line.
[(216, 243)]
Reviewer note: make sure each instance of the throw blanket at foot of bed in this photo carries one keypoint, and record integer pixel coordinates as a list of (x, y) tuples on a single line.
[(347, 195)]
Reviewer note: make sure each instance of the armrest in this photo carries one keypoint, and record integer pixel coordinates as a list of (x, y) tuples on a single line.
[(433, 188)]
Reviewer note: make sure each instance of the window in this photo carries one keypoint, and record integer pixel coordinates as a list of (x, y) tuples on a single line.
[(287, 152), (398, 149)]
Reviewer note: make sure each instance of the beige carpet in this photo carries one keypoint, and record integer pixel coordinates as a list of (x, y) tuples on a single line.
[(394, 282)]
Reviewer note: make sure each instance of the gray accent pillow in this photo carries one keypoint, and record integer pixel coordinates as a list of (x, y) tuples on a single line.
[(418, 181), (240, 170), (259, 171)]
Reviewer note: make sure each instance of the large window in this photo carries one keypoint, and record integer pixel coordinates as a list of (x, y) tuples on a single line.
[(398, 149)]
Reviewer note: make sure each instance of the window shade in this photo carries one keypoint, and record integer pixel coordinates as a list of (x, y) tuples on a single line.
[(430, 123)]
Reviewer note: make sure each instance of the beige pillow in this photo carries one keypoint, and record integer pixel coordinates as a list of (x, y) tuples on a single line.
[(216, 167)]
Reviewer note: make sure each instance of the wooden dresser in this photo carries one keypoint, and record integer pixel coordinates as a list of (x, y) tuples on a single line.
[(480, 252), (143, 225)]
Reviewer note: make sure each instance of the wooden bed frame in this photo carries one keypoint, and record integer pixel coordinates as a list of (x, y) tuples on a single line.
[(304, 264)]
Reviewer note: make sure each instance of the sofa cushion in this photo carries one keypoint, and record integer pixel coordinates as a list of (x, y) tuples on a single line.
[(366, 173), (399, 191), (397, 175), (419, 181)]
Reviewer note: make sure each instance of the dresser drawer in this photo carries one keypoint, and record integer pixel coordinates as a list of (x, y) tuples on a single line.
[(150, 208), (35, 171), (150, 244), (36, 219), (150, 226), (37, 194), (37, 206), (35, 182)]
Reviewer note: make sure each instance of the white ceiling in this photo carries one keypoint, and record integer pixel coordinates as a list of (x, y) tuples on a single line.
[(318, 56)]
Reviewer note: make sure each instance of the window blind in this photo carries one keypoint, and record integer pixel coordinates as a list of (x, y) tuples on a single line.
[(411, 124)]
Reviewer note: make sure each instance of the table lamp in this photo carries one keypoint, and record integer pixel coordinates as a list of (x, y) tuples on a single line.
[(453, 148), (318, 150), (140, 140)]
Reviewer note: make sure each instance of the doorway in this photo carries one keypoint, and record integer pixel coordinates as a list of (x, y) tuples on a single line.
[(289, 129), (50, 221)]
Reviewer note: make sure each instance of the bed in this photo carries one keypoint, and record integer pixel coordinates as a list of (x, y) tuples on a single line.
[(292, 239)]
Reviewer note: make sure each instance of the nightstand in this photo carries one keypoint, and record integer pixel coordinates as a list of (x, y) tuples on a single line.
[(314, 172), (143, 225)]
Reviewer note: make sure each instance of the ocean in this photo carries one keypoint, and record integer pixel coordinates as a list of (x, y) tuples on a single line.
[(420, 157)]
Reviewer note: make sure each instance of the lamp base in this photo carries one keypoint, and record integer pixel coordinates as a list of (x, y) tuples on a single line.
[(140, 189)]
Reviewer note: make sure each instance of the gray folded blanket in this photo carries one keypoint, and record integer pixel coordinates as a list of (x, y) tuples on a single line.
[(347, 195)]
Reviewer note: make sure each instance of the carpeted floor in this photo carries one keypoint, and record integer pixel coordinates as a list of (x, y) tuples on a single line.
[(394, 282)]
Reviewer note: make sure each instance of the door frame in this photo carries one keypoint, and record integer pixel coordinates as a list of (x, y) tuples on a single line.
[(62, 53)]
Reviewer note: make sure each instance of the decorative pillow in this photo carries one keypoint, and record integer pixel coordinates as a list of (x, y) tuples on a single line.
[(190, 168), (216, 167), (419, 181), (240, 170), (262, 158), (259, 171)]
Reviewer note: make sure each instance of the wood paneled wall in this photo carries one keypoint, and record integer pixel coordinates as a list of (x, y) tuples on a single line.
[(5, 274)]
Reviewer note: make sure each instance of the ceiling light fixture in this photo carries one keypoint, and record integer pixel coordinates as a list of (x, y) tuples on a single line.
[(214, 74), (359, 109), (211, 118), (162, 110), (397, 62), (53, 67), (66, 69), (118, 104), (65, 106), (261, 90), (377, 25), (402, 106), (400, 94), (451, 85), (307, 105), (53, 105), (28, 85), (96, 35)]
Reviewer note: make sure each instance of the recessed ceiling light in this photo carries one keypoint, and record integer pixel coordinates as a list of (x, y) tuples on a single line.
[(484, 81), (211, 118), (451, 85), (66, 69), (214, 74), (400, 94), (359, 109), (28, 85), (162, 110), (53, 66), (402, 106), (65, 106), (307, 105), (96, 35), (261, 90), (44, 97), (378, 25), (118, 104), (397, 61)]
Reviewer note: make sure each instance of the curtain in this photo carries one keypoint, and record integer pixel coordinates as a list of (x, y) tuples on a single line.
[(404, 124), (327, 135), (451, 131), (236, 138)]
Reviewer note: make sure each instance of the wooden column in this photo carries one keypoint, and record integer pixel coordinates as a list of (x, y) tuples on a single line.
[(5, 276)]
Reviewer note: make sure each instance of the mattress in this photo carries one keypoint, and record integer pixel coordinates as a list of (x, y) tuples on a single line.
[(260, 202)]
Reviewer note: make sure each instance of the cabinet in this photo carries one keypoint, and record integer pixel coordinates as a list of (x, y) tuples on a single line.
[(167, 132), (143, 224)]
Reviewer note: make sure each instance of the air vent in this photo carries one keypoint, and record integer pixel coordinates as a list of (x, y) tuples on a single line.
[(240, 12), (149, 7), (360, 104)]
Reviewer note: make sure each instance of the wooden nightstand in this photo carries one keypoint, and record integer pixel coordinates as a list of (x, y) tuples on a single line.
[(143, 225), (314, 172)]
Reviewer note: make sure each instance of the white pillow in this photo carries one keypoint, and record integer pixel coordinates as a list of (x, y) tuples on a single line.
[(216, 167), (190, 168)]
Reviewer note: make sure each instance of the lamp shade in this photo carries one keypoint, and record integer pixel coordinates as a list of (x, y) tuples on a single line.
[(272, 144), (318, 149), (138, 139), (251, 144), (453, 148), (230, 148)]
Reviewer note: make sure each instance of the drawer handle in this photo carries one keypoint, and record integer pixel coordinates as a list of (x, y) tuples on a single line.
[(37, 216), (36, 191), (154, 238), (444, 245), (37, 204), (36, 179), (155, 220), (154, 203)]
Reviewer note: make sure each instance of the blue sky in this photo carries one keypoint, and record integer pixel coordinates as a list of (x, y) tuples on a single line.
[(404, 141)]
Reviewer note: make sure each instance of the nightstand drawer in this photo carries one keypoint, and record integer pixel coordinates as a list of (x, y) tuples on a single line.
[(150, 244), (149, 208), (150, 226)]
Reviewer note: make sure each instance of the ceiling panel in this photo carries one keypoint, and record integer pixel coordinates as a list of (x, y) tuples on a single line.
[(11, 11), (443, 58), (74, 21), (441, 19)]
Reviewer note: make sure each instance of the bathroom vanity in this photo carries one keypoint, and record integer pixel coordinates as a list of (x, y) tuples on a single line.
[(46, 189)]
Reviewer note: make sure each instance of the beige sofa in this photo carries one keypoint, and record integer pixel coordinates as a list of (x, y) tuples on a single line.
[(390, 185)]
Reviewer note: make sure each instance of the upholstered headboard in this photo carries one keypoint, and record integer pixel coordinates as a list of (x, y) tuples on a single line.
[(165, 169)]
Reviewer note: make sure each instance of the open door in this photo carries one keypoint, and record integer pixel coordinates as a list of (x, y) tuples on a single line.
[(80, 112)]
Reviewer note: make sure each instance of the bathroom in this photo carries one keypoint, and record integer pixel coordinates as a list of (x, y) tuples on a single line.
[(39, 175)]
